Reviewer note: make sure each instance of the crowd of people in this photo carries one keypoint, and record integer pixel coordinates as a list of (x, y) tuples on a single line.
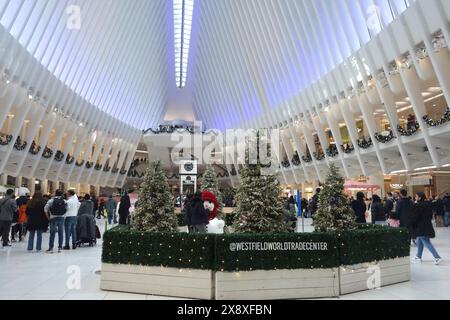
[(62, 214), (398, 209)]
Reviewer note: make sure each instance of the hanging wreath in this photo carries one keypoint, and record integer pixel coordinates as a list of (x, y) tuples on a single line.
[(296, 160), (89, 164), (20, 144), (384, 138), (332, 151), (59, 156), (79, 164), (307, 158), (34, 149), (5, 139), (365, 143), (69, 159), (98, 166), (319, 157), (285, 163), (347, 148), (436, 123), (408, 132)]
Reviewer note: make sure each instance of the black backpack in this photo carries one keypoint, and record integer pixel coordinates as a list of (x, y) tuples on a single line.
[(59, 207)]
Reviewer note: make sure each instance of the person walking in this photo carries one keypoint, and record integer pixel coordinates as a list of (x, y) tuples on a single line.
[(37, 221), (423, 230), (360, 208), (56, 209), (196, 214), (70, 223), (446, 202), (404, 209), (124, 208), (378, 211), (110, 207), (8, 209)]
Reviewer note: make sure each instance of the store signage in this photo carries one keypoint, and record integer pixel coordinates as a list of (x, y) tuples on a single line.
[(419, 181), (396, 185)]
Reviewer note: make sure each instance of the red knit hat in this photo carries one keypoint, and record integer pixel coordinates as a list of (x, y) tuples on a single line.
[(209, 196)]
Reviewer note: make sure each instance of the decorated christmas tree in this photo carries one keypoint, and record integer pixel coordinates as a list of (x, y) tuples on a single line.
[(210, 183), (259, 202), (155, 210), (333, 211)]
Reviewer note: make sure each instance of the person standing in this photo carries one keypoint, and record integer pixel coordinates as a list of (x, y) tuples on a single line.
[(70, 222), (360, 208), (110, 207), (37, 221), (422, 227), (314, 203), (378, 211), (438, 210), (124, 208), (196, 214), (20, 226), (87, 206), (389, 204), (95, 202), (8, 209), (56, 209), (446, 202), (403, 210)]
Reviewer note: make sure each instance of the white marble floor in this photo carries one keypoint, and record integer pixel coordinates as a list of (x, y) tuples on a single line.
[(25, 275)]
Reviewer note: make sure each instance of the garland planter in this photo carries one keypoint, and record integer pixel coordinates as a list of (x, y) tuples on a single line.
[(254, 266)]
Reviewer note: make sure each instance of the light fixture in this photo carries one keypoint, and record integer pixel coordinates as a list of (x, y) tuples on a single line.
[(399, 171), (425, 168), (182, 15)]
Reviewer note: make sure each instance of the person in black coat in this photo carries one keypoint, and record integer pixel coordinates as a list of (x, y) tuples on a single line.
[(446, 203), (378, 211), (422, 227), (360, 208), (196, 214), (403, 210), (37, 221), (124, 208)]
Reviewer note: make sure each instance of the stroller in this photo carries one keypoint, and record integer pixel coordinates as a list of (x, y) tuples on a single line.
[(86, 230)]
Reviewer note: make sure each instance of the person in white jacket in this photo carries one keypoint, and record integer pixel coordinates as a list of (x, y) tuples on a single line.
[(70, 223)]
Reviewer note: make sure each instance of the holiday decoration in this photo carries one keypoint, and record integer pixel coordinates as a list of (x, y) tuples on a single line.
[(156, 204), (210, 183), (20, 144), (384, 138), (347, 148), (210, 203), (332, 151), (319, 156), (296, 159), (5, 139), (59, 156), (69, 159), (79, 163), (408, 132), (435, 123), (307, 158), (215, 226), (98, 166), (259, 202), (365, 143), (123, 245), (47, 153), (34, 148), (334, 211), (89, 165), (285, 163)]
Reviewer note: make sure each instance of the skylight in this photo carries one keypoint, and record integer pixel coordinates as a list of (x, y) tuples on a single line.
[(182, 14)]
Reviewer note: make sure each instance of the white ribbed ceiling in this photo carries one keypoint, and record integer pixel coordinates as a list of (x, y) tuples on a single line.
[(248, 57)]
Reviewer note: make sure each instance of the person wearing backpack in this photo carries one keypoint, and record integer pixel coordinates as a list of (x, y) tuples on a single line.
[(56, 209)]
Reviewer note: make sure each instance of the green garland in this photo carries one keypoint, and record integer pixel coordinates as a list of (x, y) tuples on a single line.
[(367, 243)]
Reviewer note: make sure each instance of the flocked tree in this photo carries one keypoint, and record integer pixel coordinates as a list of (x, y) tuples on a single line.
[(155, 210), (333, 211), (211, 184), (259, 201)]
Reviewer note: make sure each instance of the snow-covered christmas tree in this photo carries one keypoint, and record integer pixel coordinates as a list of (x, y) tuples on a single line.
[(259, 201), (211, 184), (155, 210), (333, 211)]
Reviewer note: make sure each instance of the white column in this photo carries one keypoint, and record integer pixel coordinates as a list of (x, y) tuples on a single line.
[(32, 185), (44, 186), (4, 179), (19, 181)]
